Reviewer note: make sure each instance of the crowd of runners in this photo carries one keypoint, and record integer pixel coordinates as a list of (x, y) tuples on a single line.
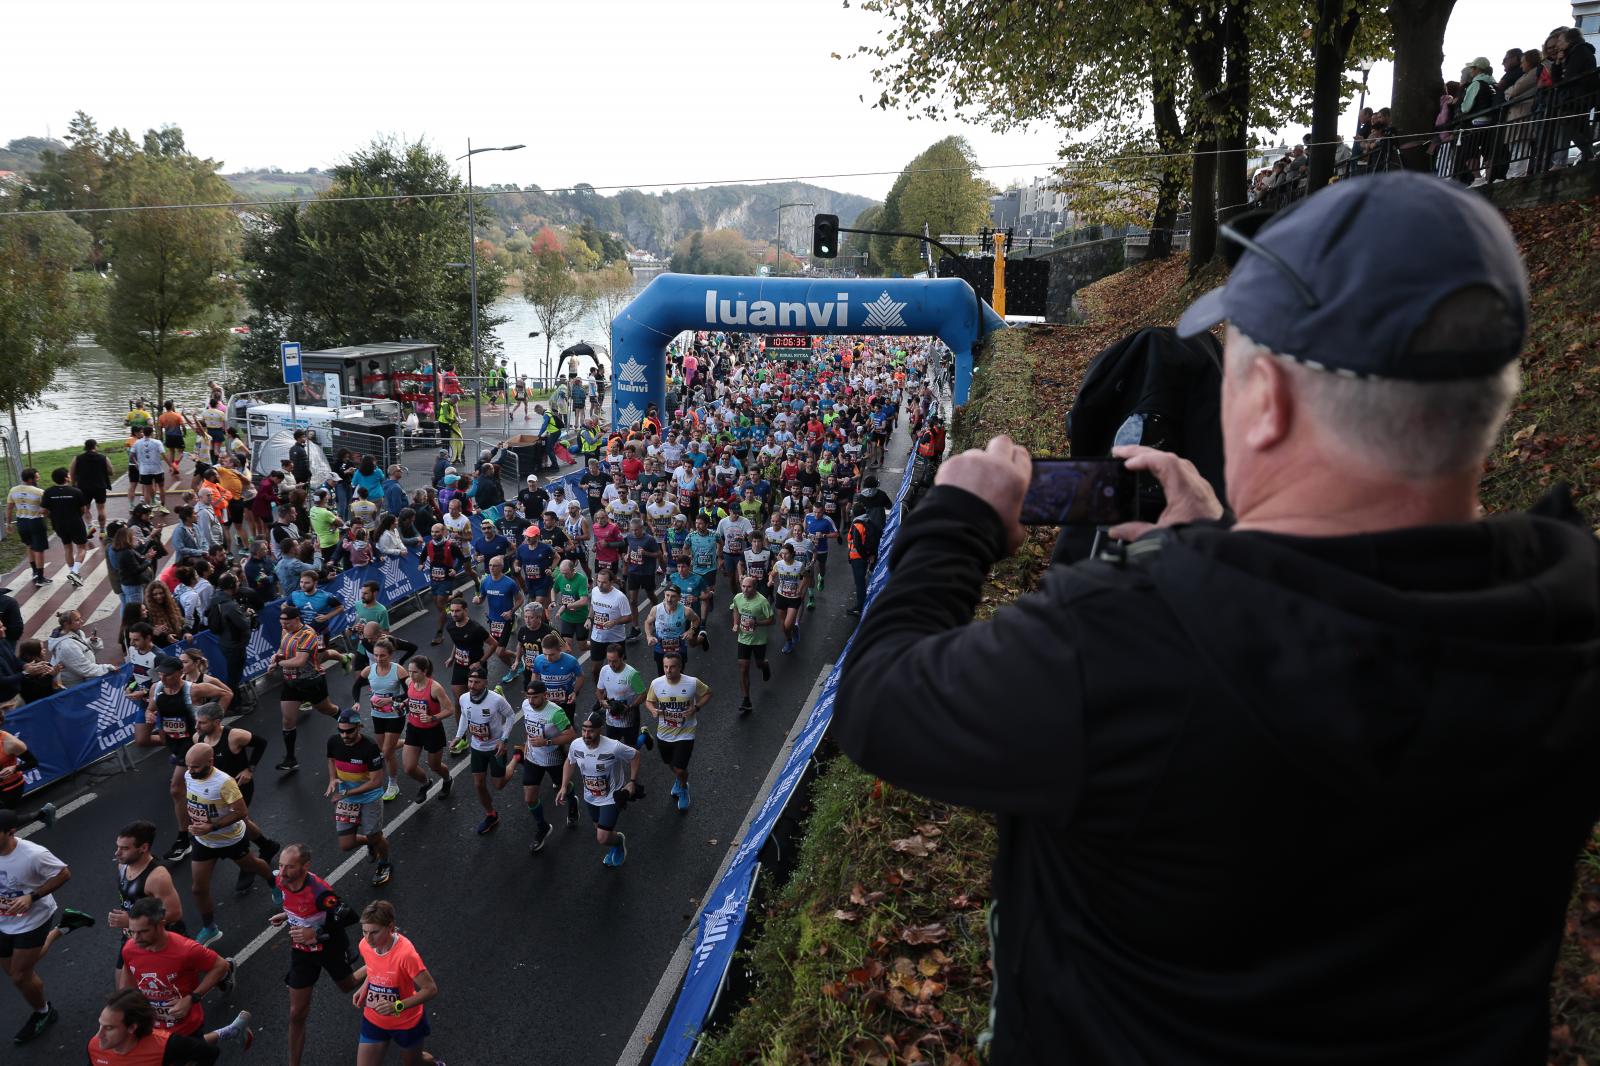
[(760, 470)]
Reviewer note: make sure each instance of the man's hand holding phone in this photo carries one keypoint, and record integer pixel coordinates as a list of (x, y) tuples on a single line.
[(997, 474), (1190, 497)]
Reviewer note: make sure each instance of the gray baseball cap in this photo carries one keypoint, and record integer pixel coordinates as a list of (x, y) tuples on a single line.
[(1344, 281)]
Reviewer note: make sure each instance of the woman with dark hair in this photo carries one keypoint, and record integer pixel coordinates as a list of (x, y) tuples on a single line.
[(36, 686), (410, 531), (386, 539), (133, 566), (368, 476)]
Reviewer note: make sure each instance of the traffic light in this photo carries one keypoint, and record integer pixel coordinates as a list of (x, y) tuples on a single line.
[(825, 236)]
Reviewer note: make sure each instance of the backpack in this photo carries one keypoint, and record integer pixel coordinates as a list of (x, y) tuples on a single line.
[(1153, 388)]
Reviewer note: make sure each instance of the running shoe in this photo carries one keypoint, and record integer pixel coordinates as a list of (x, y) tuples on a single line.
[(572, 812), (811, 601), (683, 799), (76, 579), (745, 706), (444, 786), (422, 792), (766, 670), (74, 919), (226, 984), (288, 765), (620, 850), (705, 642), (239, 1029), (490, 821), (276, 895), (40, 582), (37, 1023), (788, 646), (677, 788), (459, 748), (391, 792), (47, 815), (209, 935), (381, 875), (540, 835), (180, 848)]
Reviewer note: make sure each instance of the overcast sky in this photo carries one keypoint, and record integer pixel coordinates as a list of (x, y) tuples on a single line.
[(611, 92)]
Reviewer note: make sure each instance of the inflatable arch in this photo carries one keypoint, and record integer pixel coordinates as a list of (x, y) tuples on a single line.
[(946, 308)]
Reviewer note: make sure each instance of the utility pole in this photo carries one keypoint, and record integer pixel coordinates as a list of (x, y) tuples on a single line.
[(472, 259), (998, 293)]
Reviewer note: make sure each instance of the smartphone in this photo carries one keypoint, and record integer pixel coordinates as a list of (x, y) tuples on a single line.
[(1080, 492)]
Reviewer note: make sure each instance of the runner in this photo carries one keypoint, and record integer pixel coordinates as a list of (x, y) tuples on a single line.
[(172, 423), (470, 645), (502, 594), (489, 719), (529, 642), (297, 655), (15, 762), (610, 614), (620, 691), (547, 729), (751, 615), (441, 558), (536, 563), (236, 752), (171, 709), (217, 817), (821, 529), (68, 509), (757, 560), (563, 678), (141, 874), (645, 558), (25, 514), (92, 474), (671, 626), (317, 941), (394, 986), (127, 1036), (609, 770), (356, 787), (171, 972), (733, 533), (570, 594), (29, 919), (427, 705), (386, 700), (789, 581), (675, 700), (703, 547)]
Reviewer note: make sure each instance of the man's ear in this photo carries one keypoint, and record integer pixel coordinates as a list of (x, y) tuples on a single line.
[(1269, 403)]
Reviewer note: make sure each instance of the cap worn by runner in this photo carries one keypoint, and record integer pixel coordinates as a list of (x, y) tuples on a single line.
[(532, 531), (349, 716), (1344, 281), (533, 479), (9, 821), (167, 666), (478, 670)]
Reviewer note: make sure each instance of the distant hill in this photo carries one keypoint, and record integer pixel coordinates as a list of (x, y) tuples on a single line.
[(271, 184), (22, 154), (656, 221)]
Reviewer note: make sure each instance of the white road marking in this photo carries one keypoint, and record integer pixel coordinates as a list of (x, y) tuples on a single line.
[(66, 809)]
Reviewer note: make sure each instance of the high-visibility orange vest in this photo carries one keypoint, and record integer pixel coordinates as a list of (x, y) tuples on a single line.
[(857, 540)]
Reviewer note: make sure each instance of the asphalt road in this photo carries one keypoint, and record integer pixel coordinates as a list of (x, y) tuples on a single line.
[(550, 957)]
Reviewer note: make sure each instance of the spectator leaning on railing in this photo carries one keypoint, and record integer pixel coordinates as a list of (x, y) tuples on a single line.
[(1233, 768), (1521, 97), (1576, 94)]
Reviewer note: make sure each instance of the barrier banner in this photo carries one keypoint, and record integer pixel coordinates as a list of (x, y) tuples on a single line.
[(76, 726), (727, 905)]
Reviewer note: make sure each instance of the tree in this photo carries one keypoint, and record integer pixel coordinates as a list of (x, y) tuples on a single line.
[(722, 251), (856, 245), (171, 302), (351, 271), (609, 289), (39, 316), (942, 192), (1418, 27), (557, 297)]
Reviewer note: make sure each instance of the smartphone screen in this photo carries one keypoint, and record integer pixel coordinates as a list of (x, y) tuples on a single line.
[(1080, 492)]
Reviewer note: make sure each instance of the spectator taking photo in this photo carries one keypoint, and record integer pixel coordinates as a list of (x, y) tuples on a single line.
[(1236, 772)]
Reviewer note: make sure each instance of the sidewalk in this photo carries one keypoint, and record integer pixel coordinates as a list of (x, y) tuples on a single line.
[(100, 604)]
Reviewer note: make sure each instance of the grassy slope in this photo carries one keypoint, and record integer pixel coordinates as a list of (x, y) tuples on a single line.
[(829, 961)]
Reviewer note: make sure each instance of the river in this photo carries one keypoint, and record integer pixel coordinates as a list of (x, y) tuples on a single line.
[(91, 398)]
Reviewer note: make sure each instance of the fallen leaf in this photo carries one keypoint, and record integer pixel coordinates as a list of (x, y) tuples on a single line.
[(833, 989), (904, 966), (915, 845), (933, 933), (927, 967), (929, 989), (928, 829), (843, 915), (1525, 432)]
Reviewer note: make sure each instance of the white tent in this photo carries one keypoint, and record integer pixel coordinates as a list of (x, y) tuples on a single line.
[(275, 449)]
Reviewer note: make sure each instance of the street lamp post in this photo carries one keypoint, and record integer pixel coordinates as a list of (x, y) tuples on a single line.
[(472, 258), (1366, 69), (777, 253)]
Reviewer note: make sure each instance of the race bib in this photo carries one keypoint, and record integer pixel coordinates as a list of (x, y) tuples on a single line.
[(597, 786), (564, 601), (532, 572), (199, 812), (669, 645), (419, 711), (175, 727), (602, 618), (347, 812), (459, 657), (497, 630), (437, 573), (635, 557), (673, 714), (381, 998), (479, 730)]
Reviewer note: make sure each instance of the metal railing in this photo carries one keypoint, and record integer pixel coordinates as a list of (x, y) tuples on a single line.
[(1525, 135)]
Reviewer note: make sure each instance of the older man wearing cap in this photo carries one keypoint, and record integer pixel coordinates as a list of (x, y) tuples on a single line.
[(1233, 763)]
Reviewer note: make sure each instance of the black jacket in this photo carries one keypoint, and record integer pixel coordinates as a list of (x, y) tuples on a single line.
[(227, 621), (1261, 799), (10, 618), (875, 501)]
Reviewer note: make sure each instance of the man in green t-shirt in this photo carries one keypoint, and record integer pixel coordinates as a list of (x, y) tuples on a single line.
[(325, 526), (369, 609), (569, 594), (751, 614)]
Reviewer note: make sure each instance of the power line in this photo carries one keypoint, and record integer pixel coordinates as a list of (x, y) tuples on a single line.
[(1057, 165)]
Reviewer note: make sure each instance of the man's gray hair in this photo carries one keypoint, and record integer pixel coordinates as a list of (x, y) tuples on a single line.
[(1416, 430)]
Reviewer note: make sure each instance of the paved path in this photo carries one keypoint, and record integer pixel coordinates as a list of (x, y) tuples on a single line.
[(547, 958)]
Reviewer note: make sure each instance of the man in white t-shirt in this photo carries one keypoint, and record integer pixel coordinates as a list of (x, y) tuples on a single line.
[(608, 775), (734, 533), (151, 463), (610, 615), (675, 699), (30, 919)]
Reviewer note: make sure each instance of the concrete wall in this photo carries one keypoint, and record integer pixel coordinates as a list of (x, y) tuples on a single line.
[(1075, 266), (1553, 186)]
